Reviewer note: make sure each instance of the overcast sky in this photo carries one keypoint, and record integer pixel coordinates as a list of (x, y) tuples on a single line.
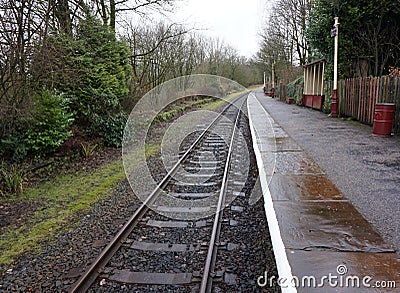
[(237, 22)]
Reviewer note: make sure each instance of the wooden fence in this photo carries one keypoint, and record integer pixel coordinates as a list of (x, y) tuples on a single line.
[(357, 97)]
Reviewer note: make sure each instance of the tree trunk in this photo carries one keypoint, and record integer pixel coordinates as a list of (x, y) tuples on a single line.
[(103, 12), (112, 14), (63, 16)]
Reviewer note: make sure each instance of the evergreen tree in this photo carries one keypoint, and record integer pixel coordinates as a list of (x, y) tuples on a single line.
[(93, 69)]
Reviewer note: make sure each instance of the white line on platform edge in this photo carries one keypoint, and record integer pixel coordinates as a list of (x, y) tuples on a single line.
[(282, 262)]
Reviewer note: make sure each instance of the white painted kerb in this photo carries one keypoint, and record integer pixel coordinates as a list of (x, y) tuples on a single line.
[(282, 262)]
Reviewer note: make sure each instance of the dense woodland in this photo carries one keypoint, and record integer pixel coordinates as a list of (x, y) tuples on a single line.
[(84, 63)]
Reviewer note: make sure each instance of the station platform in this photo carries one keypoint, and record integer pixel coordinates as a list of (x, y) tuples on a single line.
[(321, 242)]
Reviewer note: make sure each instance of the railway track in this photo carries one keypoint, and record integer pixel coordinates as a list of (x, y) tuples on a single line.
[(153, 250)]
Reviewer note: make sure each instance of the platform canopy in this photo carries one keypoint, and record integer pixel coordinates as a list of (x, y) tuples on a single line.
[(313, 93), (314, 77)]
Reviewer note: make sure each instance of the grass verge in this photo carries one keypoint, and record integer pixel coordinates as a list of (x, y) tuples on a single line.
[(63, 198), (220, 103)]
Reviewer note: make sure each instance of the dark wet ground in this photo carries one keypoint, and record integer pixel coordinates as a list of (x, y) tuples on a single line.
[(327, 172), (365, 168)]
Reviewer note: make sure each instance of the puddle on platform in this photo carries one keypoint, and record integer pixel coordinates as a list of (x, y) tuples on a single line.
[(297, 188), (318, 188), (381, 267), (328, 225)]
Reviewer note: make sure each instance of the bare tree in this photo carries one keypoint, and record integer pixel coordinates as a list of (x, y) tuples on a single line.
[(159, 52), (286, 29), (108, 10), (22, 28)]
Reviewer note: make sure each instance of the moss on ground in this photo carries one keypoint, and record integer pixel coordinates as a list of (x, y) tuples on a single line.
[(63, 198)]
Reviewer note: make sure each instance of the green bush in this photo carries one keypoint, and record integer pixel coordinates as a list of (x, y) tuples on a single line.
[(294, 89), (51, 123), (14, 146), (110, 128), (44, 132)]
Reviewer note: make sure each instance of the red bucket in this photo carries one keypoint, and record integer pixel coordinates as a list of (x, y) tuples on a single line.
[(383, 119)]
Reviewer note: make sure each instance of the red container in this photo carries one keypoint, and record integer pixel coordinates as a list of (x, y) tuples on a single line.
[(383, 119), (290, 100)]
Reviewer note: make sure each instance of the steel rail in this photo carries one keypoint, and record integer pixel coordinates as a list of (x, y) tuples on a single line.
[(206, 282), (98, 265)]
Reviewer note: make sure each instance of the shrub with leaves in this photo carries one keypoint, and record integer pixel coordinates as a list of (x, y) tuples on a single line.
[(111, 128), (50, 124), (93, 69), (44, 132), (295, 89), (14, 146)]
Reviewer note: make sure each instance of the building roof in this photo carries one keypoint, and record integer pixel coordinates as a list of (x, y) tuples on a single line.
[(314, 62)]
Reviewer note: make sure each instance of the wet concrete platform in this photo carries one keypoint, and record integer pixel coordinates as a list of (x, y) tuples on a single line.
[(321, 242)]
